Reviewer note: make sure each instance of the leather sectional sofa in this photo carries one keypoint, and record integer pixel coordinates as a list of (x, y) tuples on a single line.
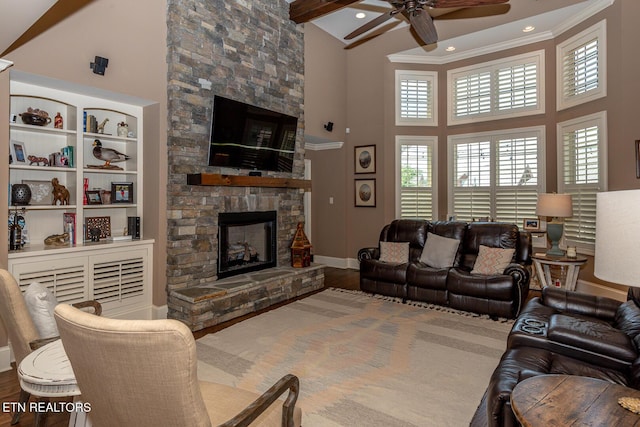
[(566, 332), (501, 294)]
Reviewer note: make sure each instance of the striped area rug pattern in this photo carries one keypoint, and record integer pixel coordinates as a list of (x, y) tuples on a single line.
[(361, 360)]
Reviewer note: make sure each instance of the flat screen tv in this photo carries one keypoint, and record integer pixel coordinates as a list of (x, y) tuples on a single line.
[(248, 137)]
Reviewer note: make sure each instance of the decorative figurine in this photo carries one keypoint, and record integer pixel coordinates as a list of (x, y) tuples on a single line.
[(60, 193), (57, 240), (37, 160), (102, 125), (123, 129), (57, 121), (109, 155)]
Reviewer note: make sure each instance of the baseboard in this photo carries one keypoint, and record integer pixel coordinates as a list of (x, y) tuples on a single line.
[(337, 262), (159, 312), (599, 290), (5, 358)]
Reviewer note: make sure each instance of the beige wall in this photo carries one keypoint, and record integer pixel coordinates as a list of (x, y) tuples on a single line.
[(132, 35), (370, 113)]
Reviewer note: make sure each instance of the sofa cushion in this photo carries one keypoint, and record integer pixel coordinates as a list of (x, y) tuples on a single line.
[(439, 251), (492, 261), (593, 336), (40, 304), (628, 318), (394, 252)]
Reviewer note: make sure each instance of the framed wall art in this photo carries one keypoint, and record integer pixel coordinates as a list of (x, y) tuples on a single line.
[(365, 193), (121, 192), (365, 159), (637, 158)]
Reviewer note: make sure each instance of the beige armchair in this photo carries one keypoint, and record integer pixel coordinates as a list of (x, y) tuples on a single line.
[(144, 373), (21, 330)]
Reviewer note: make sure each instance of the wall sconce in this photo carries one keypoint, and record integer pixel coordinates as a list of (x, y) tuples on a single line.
[(329, 126), (99, 65)]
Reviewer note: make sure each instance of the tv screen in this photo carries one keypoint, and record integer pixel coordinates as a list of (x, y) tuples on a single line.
[(249, 137)]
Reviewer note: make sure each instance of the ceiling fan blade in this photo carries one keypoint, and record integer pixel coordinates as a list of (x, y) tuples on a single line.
[(422, 24), (466, 3), (305, 10), (476, 12), (369, 25)]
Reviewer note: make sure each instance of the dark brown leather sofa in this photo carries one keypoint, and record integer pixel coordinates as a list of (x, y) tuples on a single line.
[(565, 332), (499, 295)]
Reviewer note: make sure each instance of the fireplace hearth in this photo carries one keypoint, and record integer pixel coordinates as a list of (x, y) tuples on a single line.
[(247, 242)]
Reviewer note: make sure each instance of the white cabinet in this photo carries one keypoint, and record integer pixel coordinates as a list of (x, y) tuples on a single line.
[(118, 275)]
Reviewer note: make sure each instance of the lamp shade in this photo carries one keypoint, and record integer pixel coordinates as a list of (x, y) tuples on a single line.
[(617, 257), (554, 205)]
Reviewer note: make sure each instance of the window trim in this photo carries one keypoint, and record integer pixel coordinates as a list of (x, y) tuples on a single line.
[(537, 56), (430, 76), (452, 140), (417, 140), (599, 31), (599, 119)]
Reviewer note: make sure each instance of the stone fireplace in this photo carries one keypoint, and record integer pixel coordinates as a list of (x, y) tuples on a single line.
[(246, 242)]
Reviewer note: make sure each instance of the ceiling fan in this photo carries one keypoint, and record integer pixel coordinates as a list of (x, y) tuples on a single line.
[(415, 11)]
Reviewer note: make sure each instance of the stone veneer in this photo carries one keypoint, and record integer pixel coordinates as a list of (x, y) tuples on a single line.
[(249, 51)]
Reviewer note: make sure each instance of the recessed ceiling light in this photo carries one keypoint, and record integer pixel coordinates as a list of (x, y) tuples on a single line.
[(528, 29), (450, 49), (361, 15)]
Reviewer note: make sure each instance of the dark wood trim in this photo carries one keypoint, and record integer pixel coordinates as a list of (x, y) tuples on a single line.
[(305, 10), (215, 179)]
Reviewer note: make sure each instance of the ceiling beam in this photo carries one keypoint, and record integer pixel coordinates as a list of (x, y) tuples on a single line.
[(305, 10)]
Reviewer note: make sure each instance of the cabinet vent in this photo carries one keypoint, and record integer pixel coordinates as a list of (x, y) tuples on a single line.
[(67, 284), (118, 280)]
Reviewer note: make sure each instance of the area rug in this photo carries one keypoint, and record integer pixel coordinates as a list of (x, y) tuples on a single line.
[(362, 361)]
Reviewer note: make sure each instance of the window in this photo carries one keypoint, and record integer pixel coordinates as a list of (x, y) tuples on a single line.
[(510, 87), (416, 95), (581, 67), (582, 160), (416, 175), (496, 174)]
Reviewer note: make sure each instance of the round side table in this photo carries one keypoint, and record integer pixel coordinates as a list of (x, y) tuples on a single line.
[(570, 268)]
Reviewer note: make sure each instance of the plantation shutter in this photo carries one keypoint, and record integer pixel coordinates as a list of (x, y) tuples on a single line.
[(472, 180), (580, 69), (517, 179), (416, 189), (581, 179), (517, 86), (473, 94), (415, 99)]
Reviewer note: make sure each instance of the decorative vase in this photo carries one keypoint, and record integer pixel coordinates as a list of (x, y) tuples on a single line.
[(20, 194)]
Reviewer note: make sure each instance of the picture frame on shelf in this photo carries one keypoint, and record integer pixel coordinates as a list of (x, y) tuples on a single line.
[(105, 196), (531, 224), (365, 193), (97, 227), (93, 197), (40, 192), (18, 152), (365, 159), (122, 192)]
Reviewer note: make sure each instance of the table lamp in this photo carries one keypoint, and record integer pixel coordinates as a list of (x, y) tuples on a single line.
[(617, 249), (557, 206)]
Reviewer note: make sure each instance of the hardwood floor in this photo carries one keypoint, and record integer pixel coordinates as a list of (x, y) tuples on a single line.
[(10, 388)]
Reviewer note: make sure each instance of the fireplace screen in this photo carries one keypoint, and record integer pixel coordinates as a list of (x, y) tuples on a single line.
[(246, 242)]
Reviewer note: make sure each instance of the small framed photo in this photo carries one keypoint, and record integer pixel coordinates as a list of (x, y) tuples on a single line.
[(18, 152), (531, 224), (365, 159), (365, 193), (93, 197), (121, 192)]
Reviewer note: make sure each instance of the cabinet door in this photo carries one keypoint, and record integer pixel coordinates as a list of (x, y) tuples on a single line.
[(65, 277), (119, 278)]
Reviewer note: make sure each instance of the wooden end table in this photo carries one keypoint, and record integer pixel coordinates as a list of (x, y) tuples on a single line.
[(570, 400), (543, 263)]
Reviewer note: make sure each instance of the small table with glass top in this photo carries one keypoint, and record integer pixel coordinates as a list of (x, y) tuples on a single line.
[(569, 269)]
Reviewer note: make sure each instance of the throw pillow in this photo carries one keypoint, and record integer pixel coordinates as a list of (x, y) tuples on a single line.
[(627, 318), (439, 251), (394, 252), (492, 260), (40, 304)]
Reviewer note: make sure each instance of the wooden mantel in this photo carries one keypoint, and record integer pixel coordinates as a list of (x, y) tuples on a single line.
[(215, 179)]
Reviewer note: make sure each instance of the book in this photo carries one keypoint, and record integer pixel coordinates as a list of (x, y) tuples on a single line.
[(69, 226)]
